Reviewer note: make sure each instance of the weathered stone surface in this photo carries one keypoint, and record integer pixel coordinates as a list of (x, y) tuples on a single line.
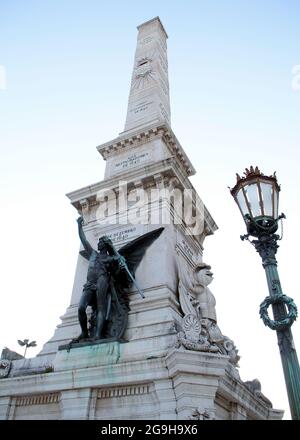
[(10, 355), (149, 99), (176, 386)]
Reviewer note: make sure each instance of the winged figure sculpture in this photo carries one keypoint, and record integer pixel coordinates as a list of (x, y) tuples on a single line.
[(110, 273)]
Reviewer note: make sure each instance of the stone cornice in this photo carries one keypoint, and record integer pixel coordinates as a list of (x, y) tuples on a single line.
[(239, 393), (129, 176), (166, 168), (133, 138), (195, 362)]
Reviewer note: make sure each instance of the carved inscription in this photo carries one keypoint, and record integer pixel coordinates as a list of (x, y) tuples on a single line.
[(163, 111), (163, 86), (132, 160), (163, 63), (141, 107), (185, 249), (124, 234), (146, 40)]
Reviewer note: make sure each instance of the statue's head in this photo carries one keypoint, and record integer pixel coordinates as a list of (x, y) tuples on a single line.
[(203, 274), (102, 243)]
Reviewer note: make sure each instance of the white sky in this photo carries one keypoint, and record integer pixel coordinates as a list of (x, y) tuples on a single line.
[(65, 76)]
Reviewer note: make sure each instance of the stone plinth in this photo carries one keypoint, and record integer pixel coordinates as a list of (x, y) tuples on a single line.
[(99, 382)]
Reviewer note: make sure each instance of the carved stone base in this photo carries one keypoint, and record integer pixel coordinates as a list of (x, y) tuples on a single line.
[(87, 342), (98, 382)]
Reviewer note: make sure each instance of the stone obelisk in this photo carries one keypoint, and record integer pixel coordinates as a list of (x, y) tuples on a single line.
[(149, 99), (174, 363)]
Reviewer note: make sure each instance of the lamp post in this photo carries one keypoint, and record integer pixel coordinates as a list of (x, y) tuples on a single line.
[(257, 197)]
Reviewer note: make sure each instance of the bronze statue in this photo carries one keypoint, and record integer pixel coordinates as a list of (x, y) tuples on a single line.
[(110, 273)]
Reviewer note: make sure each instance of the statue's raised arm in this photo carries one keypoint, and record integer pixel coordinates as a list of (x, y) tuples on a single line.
[(88, 248)]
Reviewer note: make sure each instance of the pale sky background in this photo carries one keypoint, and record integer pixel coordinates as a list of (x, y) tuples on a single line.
[(234, 102)]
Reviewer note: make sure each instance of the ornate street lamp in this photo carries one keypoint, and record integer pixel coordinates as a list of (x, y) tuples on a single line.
[(257, 198)]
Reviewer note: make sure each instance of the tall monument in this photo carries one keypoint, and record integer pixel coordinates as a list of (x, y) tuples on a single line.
[(149, 100), (172, 360)]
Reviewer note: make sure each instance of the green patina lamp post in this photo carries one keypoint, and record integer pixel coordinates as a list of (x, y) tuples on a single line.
[(257, 198)]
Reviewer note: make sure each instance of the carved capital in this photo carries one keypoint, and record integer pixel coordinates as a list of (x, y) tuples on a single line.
[(138, 184), (84, 205), (159, 180)]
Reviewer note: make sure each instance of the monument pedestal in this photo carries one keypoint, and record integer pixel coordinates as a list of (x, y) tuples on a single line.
[(100, 382)]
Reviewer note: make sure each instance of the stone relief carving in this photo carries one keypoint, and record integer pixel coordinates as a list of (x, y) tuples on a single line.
[(31, 370), (193, 337), (10, 355), (9, 368), (7, 356), (5, 366), (199, 325), (202, 414), (143, 72), (254, 386)]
